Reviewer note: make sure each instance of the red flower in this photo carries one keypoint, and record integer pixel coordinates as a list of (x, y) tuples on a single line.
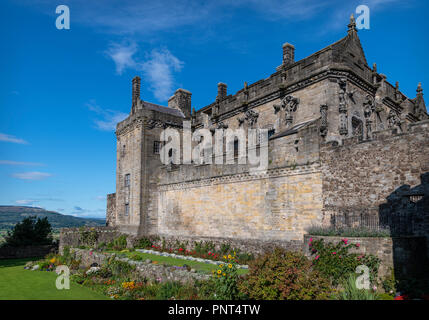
[(403, 297), (180, 249), (345, 240), (357, 245)]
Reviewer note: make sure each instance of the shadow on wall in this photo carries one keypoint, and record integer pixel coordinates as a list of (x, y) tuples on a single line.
[(406, 213)]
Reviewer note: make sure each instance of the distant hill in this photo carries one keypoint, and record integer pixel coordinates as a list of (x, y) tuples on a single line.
[(10, 215)]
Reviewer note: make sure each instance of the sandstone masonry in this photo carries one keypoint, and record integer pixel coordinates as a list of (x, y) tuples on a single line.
[(342, 139)]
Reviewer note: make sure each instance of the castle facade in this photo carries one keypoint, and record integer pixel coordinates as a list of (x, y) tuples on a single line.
[(342, 139)]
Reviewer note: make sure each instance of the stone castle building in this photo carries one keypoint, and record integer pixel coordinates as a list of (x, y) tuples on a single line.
[(342, 139)]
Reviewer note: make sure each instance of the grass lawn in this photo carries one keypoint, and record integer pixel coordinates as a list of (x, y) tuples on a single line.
[(16, 283), (206, 267)]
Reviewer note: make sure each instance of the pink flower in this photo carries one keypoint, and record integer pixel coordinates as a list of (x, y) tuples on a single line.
[(345, 240), (357, 245), (317, 257), (334, 253)]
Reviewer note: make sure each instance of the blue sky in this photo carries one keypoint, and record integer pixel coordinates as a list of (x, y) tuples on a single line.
[(62, 91)]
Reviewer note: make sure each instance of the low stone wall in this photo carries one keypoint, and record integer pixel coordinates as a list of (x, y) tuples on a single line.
[(406, 255), (256, 247), (26, 252), (72, 236), (148, 270)]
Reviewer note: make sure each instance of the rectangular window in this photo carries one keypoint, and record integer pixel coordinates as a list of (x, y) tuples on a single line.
[(271, 132), (127, 209), (127, 180), (156, 146)]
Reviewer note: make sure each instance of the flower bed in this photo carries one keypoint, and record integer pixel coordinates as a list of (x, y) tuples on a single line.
[(189, 257)]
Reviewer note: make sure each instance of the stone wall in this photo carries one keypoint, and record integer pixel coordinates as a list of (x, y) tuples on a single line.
[(111, 210), (402, 254), (254, 246), (72, 236), (360, 177), (154, 272), (26, 252)]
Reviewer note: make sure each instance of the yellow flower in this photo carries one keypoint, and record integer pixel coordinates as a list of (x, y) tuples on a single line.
[(52, 260), (219, 271), (224, 257), (221, 265), (229, 256), (224, 274), (230, 266)]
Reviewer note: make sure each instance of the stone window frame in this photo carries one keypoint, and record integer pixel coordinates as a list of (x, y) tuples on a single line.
[(127, 209), (127, 180), (156, 147)]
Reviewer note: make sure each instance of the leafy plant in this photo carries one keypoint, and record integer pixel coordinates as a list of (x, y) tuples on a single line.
[(349, 232), (88, 236), (336, 262), (226, 279), (168, 290), (144, 243), (119, 243), (283, 275), (351, 292)]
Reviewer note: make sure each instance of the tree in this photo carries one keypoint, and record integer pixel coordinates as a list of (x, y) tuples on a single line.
[(30, 232)]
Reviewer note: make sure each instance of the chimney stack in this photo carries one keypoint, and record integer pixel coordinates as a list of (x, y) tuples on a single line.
[(221, 91), (288, 54), (181, 100), (136, 90)]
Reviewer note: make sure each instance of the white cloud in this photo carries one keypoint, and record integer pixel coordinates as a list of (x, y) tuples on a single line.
[(108, 118), (158, 67), (101, 198), (20, 163), (26, 202), (158, 70), (122, 55), (9, 138), (34, 175)]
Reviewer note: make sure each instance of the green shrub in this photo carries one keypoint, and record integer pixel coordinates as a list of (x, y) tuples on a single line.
[(348, 232), (120, 268), (119, 243), (389, 283), (283, 275), (88, 236), (30, 232), (144, 243), (351, 292), (336, 262), (168, 290)]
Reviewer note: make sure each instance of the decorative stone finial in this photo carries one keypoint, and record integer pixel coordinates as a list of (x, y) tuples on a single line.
[(352, 24), (419, 88), (374, 67)]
